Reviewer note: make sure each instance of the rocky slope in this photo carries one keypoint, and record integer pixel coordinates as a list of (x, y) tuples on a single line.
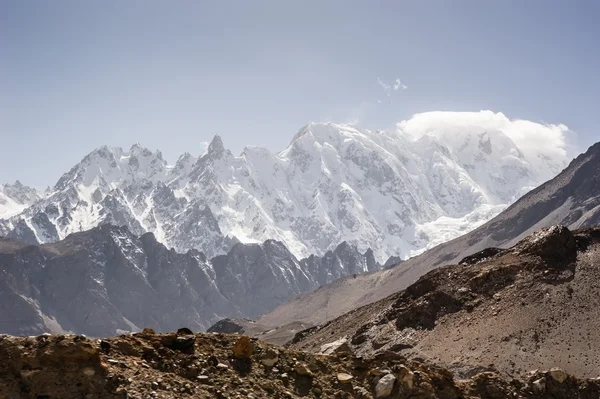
[(183, 365), (534, 305), (107, 280), (571, 199), (388, 191)]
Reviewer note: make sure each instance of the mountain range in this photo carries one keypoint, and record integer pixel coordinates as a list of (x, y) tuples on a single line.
[(107, 281), (388, 191)]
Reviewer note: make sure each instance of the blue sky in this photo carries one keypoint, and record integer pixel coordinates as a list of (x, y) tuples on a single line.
[(75, 75)]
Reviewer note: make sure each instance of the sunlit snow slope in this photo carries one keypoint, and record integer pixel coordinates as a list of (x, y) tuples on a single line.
[(398, 192)]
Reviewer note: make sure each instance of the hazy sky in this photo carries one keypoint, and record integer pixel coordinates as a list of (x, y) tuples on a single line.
[(75, 75)]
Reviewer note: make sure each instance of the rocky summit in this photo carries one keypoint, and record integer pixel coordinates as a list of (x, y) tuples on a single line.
[(184, 365)]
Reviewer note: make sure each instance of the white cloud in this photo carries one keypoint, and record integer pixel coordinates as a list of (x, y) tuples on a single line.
[(389, 88), (537, 141), (399, 85)]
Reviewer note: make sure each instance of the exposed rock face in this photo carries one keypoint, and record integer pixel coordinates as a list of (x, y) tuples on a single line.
[(146, 365), (534, 305), (227, 326), (108, 280), (571, 199)]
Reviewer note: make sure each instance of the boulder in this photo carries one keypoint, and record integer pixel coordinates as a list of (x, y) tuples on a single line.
[(385, 386), (269, 358), (243, 348), (184, 331)]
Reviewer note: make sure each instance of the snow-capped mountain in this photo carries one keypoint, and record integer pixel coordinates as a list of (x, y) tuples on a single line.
[(14, 198), (396, 193)]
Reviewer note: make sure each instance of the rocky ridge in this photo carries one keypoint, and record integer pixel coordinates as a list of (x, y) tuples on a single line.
[(108, 280), (184, 365), (508, 311)]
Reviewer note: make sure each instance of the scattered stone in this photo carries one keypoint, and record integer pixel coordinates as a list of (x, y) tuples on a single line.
[(84, 371), (558, 375), (184, 331), (270, 357), (385, 386), (203, 379), (361, 393), (179, 343), (105, 346), (243, 348), (344, 378), (302, 369), (539, 386), (406, 377)]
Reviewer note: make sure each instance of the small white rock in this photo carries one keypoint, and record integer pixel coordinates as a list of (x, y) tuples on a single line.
[(89, 372), (344, 378)]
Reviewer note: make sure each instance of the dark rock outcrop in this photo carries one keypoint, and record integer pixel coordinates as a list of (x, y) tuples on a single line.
[(107, 280)]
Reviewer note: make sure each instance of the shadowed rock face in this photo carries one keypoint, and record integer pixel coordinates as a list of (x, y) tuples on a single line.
[(108, 280), (534, 305), (177, 365)]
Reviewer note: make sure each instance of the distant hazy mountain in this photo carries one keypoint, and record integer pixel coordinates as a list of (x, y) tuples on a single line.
[(107, 280)]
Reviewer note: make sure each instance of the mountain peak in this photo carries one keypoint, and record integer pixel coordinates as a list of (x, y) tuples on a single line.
[(216, 147), (138, 150)]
